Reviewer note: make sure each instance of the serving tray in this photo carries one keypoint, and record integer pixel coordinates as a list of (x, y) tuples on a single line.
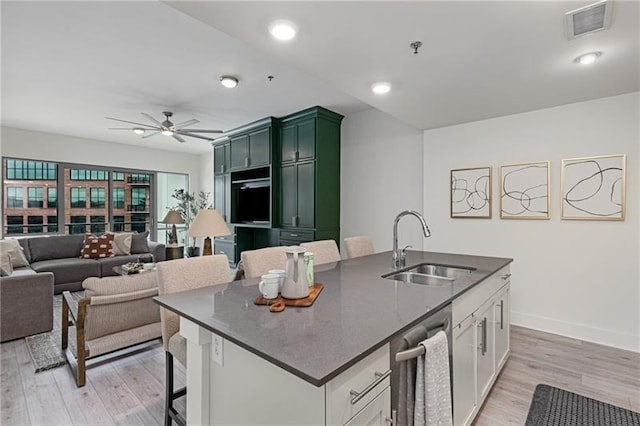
[(305, 302)]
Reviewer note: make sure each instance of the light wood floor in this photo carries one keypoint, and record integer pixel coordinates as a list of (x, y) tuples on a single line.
[(130, 390)]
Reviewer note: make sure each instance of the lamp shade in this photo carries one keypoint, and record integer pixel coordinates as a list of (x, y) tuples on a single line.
[(208, 223), (173, 217)]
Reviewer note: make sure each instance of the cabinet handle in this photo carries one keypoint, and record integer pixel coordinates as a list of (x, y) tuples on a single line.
[(505, 276), (357, 396), (502, 314), (297, 156), (484, 336), (294, 220), (246, 161), (221, 168), (293, 235)]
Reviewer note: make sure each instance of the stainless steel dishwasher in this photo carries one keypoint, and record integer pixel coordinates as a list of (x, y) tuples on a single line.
[(440, 320)]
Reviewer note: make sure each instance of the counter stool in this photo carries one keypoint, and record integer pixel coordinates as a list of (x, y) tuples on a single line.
[(358, 246)]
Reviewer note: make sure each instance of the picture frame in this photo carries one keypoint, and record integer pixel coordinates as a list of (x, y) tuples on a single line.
[(593, 188), (525, 190), (470, 193)]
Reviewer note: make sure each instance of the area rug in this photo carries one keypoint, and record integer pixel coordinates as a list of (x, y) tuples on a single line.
[(45, 348), (551, 406)]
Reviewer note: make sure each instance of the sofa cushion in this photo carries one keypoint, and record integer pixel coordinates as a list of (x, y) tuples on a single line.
[(97, 247), (122, 243), (139, 243), (12, 247), (5, 264), (24, 243), (119, 285), (69, 270), (107, 263), (55, 247)]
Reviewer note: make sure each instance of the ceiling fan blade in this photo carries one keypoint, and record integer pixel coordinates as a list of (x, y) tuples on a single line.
[(201, 131), (155, 132), (178, 138), (186, 123), (120, 128), (148, 126), (183, 133), (159, 124)]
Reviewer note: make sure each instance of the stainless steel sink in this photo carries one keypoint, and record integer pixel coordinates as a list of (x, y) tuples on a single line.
[(430, 274), (416, 278)]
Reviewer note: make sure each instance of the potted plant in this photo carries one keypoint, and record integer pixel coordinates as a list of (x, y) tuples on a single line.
[(189, 204)]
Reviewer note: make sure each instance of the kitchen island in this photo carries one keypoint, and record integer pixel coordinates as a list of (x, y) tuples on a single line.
[(238, 351)]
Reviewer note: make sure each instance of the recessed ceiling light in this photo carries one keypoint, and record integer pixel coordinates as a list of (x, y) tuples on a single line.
[(138, 131), (283, 30), (588, 58), (228, 81), (381, 87)]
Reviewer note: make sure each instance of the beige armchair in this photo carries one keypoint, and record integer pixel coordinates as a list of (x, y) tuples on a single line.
[(115, 313), (175, 276)]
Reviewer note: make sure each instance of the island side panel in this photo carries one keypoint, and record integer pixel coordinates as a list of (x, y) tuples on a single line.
[(246, 389), (198, 362)]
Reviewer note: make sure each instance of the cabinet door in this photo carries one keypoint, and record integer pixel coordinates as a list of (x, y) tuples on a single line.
[(306, 195), (306, 139), (288, 195), (260, 148), (485, 348), (288, 143), (464, 371), (377, 412), (502, 321), (221, 159), (239, 148), (220, 195)]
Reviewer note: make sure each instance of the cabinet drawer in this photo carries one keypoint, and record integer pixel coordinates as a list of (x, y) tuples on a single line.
[(295, 235), (226, 239), (227, 248), (464, 305), (358, 378)]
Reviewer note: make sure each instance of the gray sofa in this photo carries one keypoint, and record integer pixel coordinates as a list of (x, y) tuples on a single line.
[(60, 254)]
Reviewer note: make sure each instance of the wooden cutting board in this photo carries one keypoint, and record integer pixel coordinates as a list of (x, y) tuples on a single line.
[(305, 302)]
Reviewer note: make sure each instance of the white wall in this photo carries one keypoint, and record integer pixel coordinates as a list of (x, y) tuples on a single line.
[(575, 278), (206, 173), (381, 172)]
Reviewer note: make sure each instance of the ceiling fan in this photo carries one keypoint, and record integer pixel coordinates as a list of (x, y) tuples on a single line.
[(166, 127)]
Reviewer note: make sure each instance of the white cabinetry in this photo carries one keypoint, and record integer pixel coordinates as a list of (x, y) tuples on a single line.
[(376, 413), (480, 343)]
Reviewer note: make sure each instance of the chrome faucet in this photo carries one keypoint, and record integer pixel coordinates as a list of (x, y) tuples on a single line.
[(399, 256)]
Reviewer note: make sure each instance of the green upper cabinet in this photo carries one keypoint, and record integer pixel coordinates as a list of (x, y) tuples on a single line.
[(298, 140), (250, 146), (221, 158), (297, 192)]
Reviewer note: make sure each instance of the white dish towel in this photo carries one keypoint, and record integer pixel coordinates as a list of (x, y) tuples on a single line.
[(433, 387)]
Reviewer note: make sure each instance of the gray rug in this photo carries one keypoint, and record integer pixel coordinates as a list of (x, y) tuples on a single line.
[(45, 348), (556, 407)]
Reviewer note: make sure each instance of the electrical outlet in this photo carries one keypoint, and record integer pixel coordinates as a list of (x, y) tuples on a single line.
[(217, 349)]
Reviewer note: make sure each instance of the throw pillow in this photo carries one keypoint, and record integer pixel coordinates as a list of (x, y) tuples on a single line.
[(5, 265), (139, 243), (95, 247), (122, 243), (12, 248)]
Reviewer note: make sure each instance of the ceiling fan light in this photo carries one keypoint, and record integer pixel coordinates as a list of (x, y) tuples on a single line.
[(228, 81), (167, 132), (138, 131)]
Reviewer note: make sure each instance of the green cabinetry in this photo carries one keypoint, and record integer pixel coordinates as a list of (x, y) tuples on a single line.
[(252, 149)]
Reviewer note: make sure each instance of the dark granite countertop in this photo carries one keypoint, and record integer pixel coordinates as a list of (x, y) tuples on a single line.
[(357, 312)]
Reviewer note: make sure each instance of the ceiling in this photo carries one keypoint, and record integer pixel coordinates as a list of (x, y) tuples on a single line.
[(67, 65)]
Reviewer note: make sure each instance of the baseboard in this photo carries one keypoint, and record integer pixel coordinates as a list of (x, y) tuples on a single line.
[(617, 339)]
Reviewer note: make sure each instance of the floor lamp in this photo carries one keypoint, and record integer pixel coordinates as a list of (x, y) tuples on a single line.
[(208, 223)]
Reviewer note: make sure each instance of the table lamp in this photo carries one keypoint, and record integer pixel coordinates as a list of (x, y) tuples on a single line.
[(172, 218), (208, 223)]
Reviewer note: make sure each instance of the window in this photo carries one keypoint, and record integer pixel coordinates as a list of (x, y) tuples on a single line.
[(138, 199), (35, 198), (97, 229), (118, 198), (139, 222), (52, 223), (118, 224), (139, 178), (52, 198), (82, 174), (78, 225), (35, 224), (118, 176), (97, 198), (30, 170), (14, 198), (78, 198), (14, 224)]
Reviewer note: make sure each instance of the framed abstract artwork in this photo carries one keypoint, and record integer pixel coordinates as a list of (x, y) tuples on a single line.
[(524, 190), (471, 193), (593, 188)]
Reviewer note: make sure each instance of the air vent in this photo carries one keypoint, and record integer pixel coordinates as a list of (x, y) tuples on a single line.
[(589, 19)]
